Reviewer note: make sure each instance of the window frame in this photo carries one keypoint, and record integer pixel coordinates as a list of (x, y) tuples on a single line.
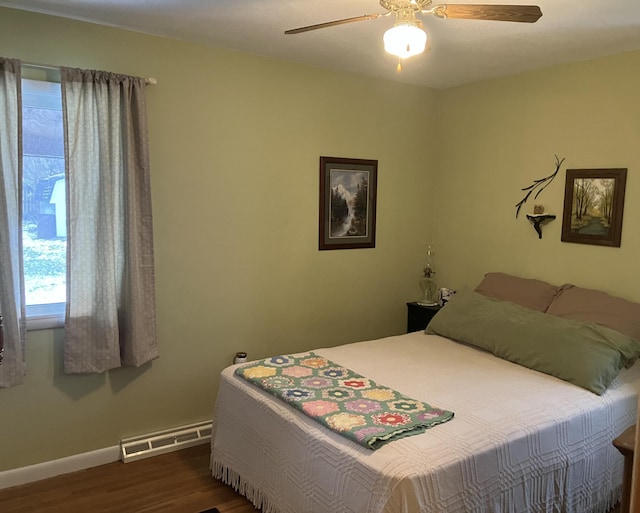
[(49, 315), (44, 317)]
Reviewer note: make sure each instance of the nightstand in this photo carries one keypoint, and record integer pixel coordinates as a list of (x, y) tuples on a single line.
[(418, 316), (626, 443)]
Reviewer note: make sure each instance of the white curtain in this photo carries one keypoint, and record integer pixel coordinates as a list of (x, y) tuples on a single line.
[(110, 317), (12, 306)]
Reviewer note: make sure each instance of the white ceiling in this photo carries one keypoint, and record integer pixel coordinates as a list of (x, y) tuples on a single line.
[(462, 51)]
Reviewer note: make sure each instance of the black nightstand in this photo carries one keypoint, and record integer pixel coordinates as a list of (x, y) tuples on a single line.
[(418, 316)]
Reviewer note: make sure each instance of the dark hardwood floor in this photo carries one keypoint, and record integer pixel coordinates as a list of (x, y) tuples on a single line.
[(177, 482)]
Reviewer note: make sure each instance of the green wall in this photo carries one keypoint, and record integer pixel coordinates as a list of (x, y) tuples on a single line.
[(235, 141), (499, 136), (235, 145)]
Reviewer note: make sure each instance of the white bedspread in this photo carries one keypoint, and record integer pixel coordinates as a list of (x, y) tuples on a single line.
[(520, 441)]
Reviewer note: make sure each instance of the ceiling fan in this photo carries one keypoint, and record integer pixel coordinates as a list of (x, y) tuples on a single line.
[(407, 37)]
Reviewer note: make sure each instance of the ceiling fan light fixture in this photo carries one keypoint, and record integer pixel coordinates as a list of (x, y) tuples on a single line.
[(405, 39)]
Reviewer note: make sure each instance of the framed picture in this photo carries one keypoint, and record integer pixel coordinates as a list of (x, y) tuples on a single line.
[(347, 203), (593, 205)]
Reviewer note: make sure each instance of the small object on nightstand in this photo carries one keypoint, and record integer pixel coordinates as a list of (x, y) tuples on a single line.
[(538, 219), (418, 316), (428, 282), (626, 444), (444, 295)]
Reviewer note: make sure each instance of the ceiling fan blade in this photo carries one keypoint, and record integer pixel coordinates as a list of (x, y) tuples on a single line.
[(336, 22), (519, 13)]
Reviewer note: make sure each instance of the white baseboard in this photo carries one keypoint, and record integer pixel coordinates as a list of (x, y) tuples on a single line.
[(24, 475)]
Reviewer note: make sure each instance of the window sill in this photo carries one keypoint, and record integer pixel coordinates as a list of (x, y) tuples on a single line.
[(44, 317)]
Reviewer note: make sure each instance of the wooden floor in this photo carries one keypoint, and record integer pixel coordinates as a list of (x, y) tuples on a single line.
[(177, 482)]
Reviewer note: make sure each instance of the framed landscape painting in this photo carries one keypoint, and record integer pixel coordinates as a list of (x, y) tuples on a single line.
[(593, 206), (347, 203)]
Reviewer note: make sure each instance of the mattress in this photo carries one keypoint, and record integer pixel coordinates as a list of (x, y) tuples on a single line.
[(521, 441)]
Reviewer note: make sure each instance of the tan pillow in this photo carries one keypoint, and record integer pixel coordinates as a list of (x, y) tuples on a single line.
[(595, 306), (527, 292)]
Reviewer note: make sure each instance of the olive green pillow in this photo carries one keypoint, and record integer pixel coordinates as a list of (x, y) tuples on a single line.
[(587, 355)]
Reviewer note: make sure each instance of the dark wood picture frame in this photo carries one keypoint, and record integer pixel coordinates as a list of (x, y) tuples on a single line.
[(593, 206), (348, 189)]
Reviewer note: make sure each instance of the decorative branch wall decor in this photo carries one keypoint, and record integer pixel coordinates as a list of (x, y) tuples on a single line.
[(541, 184)]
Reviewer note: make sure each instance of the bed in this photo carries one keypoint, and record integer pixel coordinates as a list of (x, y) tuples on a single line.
[(521, 440)]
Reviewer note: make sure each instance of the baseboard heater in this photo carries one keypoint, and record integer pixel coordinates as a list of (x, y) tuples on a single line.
[(160, 442)]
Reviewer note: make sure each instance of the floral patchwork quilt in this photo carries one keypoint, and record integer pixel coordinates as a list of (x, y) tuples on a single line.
[(341, 400)]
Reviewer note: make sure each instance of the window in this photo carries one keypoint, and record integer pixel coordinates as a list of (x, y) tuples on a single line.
[(44, 227), (105, 185)]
